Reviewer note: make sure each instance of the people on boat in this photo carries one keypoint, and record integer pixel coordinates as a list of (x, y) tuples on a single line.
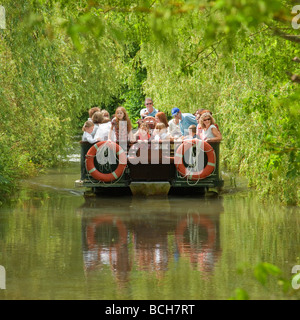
[(185, 120), (121, 126), (207, 129), (149, 111), (88, 135)]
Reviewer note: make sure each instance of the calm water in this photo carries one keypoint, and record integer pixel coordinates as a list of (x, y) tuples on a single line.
[(55, 243)]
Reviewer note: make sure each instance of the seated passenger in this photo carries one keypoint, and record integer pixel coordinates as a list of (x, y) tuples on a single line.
[(199, 113), (143, 132), (208, 131), (192, 133), (149, 111), (161, 133)]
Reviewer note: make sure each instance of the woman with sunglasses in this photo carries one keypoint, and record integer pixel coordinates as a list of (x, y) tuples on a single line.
[(207, 129)]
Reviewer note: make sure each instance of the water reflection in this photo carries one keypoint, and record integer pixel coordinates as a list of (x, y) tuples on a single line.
[(135, 234)]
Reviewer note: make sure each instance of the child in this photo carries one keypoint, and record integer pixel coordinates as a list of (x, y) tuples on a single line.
[(87, 129), (120, 125), (97, 119), (161, 133), (143, 132), (192, 133)]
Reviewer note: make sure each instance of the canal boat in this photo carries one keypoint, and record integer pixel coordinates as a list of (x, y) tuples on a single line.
[(150, 167)]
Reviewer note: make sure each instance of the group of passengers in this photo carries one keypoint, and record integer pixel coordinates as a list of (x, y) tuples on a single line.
[(182, 126)]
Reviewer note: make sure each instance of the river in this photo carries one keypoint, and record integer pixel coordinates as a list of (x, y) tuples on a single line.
[(57, 243)]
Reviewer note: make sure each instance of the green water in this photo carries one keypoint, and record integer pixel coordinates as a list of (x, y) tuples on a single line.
[(57, 244)]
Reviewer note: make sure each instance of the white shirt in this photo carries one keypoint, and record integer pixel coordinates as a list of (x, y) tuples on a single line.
[(174, 129), (103, 131)]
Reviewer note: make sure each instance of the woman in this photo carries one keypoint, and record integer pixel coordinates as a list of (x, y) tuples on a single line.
[(207, 129)]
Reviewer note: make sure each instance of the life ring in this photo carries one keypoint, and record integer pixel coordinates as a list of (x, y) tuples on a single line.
[(183, 170), (201, 256), (96, 222), (105, 177)]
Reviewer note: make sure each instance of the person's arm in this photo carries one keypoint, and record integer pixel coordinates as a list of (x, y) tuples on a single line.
[(90, 138), (217, 135)]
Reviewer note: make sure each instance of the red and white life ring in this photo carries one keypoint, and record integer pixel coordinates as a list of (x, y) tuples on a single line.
[(90, 164), (184, 171)]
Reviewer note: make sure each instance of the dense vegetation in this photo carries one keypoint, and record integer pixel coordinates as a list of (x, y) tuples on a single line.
[(234, 57)]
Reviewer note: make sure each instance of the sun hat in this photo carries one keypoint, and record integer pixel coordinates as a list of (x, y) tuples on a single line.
[(175, 111)]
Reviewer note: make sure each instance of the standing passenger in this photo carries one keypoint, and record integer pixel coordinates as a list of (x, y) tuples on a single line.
[(121, 126), (149, 111), (185, 120)]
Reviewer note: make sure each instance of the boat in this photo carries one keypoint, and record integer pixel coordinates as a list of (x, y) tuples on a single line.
[(150, 167)]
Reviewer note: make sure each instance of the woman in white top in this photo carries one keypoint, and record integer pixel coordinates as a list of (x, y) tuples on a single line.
[(207, 129), (174, 128)]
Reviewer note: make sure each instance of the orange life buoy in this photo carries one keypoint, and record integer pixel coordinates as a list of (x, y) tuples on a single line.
[(183, 170), (200, 256), (96, 222), (105, 177)]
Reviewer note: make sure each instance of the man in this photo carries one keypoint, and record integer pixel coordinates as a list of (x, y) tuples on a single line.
[(185, 120), (149, 111)]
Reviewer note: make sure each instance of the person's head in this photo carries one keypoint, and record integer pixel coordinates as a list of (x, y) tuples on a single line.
[(105, 113), (105, 120), (88, 126), (161, 117), (192, 130), (206, 120), (120, 113), (97, 117), (161, 127), (149, 104), (93, 110), (144, 126), (176, 113)]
